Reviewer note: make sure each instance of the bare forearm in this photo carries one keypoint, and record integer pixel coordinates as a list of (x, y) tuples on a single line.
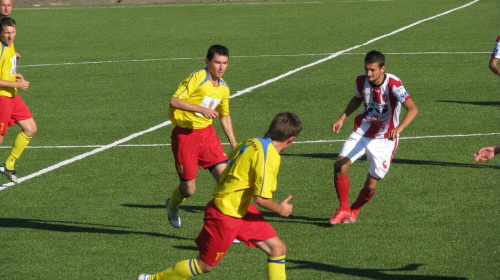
[(268, 204), (227, 126)]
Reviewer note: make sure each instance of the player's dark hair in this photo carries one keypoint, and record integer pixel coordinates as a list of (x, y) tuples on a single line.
[(7, 21), (217, 49), (284, 126), (375, 57)]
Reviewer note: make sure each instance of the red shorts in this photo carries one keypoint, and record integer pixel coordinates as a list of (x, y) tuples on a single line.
[(220, 230), (196, 148), (12, 110)]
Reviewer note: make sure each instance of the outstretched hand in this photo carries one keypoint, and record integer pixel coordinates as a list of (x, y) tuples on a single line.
[(485, 154)]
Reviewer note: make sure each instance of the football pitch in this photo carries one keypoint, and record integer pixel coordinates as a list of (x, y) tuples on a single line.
[(90, 202)]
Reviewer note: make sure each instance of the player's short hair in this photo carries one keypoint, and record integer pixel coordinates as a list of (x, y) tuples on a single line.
[(375, 57), (217, 49), (7, 21), (284, 126)]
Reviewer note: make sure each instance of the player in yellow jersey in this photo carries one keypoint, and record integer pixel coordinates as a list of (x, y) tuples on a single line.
[(199, 99), (251, 174), (13, 110)]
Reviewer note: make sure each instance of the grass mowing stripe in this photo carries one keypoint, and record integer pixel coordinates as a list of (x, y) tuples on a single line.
[(238, 93)]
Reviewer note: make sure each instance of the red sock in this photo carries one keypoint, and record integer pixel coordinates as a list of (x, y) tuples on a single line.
[(363, 198), (342, 188)]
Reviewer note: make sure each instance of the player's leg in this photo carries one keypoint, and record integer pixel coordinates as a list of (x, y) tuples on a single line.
[(179, 195), (28, 130), (275, 249), (185, 149), (352, 149), (217, 170), (365, 195), (182, 270), (380, 153)]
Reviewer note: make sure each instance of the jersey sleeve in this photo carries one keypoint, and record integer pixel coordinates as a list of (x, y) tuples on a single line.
[(399, 91), (186, 87)]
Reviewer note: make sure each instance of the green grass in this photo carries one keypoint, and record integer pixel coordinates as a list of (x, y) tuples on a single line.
[(101, 73)]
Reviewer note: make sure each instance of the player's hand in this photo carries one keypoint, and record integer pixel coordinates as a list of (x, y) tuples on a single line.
[(337, 125), (485, 154), (22, 84), (209, 113), (393, 134), (286, 208)]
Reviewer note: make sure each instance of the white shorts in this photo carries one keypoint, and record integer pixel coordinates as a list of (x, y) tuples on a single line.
[(379, 152)]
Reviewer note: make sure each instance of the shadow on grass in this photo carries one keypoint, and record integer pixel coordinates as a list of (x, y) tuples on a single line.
[(478, 103), (403, 161), (65, 226), (187, 208), (369, 273)]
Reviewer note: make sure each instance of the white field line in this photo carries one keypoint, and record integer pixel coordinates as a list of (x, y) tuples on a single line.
[(227, 144), (242, 56), (247, 90)]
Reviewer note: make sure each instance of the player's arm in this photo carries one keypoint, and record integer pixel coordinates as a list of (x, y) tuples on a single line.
[(19, 83), (493, 65), (351, 107), (180, 104), (227, 125), (411, 113), (283, 209)]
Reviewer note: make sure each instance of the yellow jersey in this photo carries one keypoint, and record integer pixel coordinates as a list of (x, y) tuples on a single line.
[(252, 169), (197, 89), (8, 65)]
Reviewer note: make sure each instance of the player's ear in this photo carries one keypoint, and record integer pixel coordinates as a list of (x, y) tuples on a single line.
[(290, 140)]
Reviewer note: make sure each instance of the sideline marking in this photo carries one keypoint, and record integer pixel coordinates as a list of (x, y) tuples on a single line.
[(247, 90)]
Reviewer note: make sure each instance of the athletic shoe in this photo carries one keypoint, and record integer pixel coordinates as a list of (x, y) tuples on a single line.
[(143, 277), (354, 215), (173, 216), (236, 241), (340, 216), (10, 174)]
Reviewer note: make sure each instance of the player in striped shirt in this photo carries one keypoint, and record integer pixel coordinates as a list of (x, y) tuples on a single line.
[(495, 56), (376, 131), (251, 174)]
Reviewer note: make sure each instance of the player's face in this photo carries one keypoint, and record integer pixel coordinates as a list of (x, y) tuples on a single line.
[(374, 73), (5, 7), (217, 66), (8, 34)]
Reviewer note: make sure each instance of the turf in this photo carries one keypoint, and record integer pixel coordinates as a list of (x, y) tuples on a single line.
[(102, 73)]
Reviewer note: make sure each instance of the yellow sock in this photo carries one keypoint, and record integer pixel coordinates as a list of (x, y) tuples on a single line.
[(181, 271), (176, 199), (276, 268), (20, 144)]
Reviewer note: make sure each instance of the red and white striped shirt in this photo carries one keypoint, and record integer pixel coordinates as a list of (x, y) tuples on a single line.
[(382, 106), (496, 49)]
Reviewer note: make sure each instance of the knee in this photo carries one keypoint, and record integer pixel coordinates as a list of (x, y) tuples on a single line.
[(205, 268), (187, 188), (30, 130), (340, 168), (279, 249)]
